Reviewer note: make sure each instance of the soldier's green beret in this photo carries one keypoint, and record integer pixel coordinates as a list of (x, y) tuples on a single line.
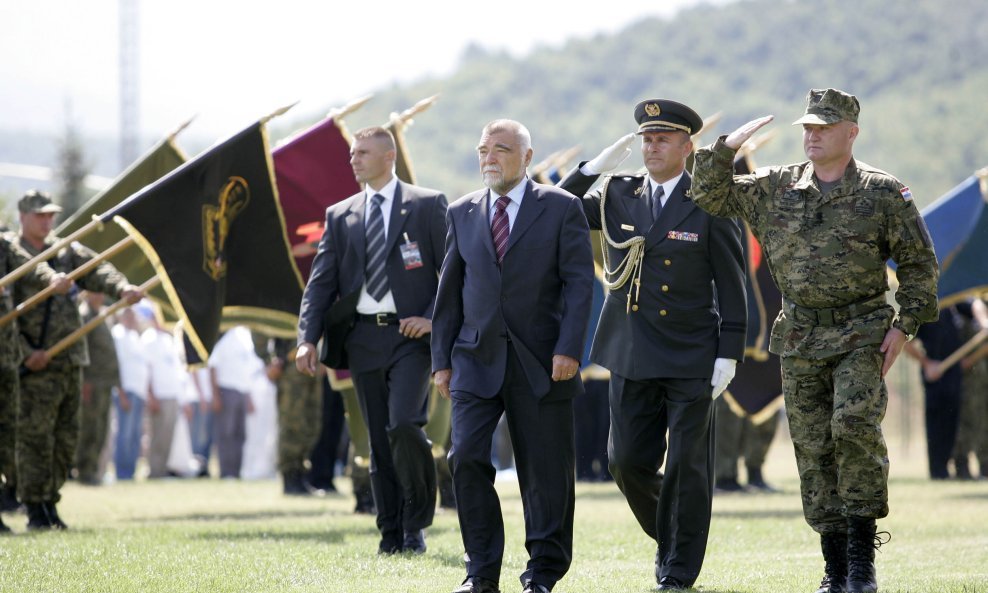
[(829, 106)]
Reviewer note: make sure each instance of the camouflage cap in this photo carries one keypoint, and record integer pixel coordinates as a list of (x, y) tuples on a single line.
[(37, 201), (829, 106)]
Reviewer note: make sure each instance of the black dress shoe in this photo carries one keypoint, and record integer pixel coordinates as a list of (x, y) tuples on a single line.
[(531, 587), (389, 546), (414, 542), (477, 585), (669, 583)]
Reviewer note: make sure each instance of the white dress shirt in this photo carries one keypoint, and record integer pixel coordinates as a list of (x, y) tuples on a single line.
[(366, 305), (515, 194)]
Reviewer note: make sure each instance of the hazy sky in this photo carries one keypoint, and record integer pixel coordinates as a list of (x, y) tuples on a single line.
[(231, 61)]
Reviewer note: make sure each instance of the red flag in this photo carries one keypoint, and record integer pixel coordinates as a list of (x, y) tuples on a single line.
[(312, 171)]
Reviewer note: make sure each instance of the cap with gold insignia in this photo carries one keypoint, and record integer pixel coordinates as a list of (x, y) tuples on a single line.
[(37, 201), (663, 115), (829, 106)]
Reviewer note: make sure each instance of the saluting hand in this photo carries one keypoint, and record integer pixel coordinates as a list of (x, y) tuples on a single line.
[(612, 156), (739, 136)]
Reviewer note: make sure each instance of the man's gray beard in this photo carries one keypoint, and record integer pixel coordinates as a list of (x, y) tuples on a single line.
[(493, 180), (496, 183)]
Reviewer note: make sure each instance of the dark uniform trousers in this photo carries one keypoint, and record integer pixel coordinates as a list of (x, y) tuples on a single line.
[(48, 430), (544, 455), (391, 375), (640, 413)]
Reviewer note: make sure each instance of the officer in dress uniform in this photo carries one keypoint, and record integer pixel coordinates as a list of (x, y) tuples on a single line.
[(671, 330)]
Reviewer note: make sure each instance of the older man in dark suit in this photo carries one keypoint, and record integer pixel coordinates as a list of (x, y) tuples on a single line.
[(511, 314), (377, 269), (671, 331)]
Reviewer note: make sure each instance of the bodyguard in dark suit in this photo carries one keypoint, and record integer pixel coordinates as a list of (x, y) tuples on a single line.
[(511, 314), (380, 255), (671, 331)]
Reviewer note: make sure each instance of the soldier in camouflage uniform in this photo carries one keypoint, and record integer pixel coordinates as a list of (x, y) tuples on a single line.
[(98, 381), (972, 431), (299, 419), (48, 416), (11, 258), (827, 227)]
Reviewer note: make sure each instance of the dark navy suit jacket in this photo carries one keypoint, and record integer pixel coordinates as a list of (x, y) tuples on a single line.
[(540, 297), (692, 304), (338, 268)]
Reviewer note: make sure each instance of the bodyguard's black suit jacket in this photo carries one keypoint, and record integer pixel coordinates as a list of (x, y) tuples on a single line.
[(338, 268), (540, 297), (683, 321)]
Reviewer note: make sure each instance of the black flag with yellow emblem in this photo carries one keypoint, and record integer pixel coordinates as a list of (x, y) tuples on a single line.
[(215, 233)]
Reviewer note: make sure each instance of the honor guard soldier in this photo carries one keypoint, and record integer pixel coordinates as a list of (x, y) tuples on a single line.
[(671, 330)]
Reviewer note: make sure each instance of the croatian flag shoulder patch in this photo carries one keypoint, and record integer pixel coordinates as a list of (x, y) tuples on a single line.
[(906, 194)]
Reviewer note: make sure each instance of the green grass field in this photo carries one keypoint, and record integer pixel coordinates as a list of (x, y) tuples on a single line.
[(228, 536)]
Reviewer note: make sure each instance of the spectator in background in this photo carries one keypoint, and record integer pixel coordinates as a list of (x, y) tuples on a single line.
[(129, 400), (233, 365), (199, 410), (167, 378)]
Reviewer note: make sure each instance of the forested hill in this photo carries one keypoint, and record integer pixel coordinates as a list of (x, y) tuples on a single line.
[(919, 67)]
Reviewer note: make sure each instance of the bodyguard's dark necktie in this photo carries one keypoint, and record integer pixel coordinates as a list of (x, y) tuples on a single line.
[(374, 273), (500, 227), (657, 202)]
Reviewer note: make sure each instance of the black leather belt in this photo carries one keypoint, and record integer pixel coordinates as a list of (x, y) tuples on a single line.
[(379, 318), (831, 316)]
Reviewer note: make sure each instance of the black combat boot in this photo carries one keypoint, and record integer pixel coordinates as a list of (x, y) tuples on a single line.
[(755, 480), (293, 484), (862, 541), (8, 499), (53, 518), (834, 547), (37, 516)]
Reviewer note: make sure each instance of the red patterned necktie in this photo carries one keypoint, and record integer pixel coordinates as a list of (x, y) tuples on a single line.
[(500, 228)]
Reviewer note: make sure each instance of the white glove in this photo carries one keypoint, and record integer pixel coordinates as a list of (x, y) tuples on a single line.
[(724, 369), (610, 157)]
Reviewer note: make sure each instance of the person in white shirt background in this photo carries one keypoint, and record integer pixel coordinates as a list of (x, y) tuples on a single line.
[(129, 401), (167, 376), (233, 365)]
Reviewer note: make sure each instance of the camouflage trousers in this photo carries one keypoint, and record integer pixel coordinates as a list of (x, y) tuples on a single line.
[(47, 431), (835, 407), (972, 431), (9, 387), (299, 418), (94, 422)]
